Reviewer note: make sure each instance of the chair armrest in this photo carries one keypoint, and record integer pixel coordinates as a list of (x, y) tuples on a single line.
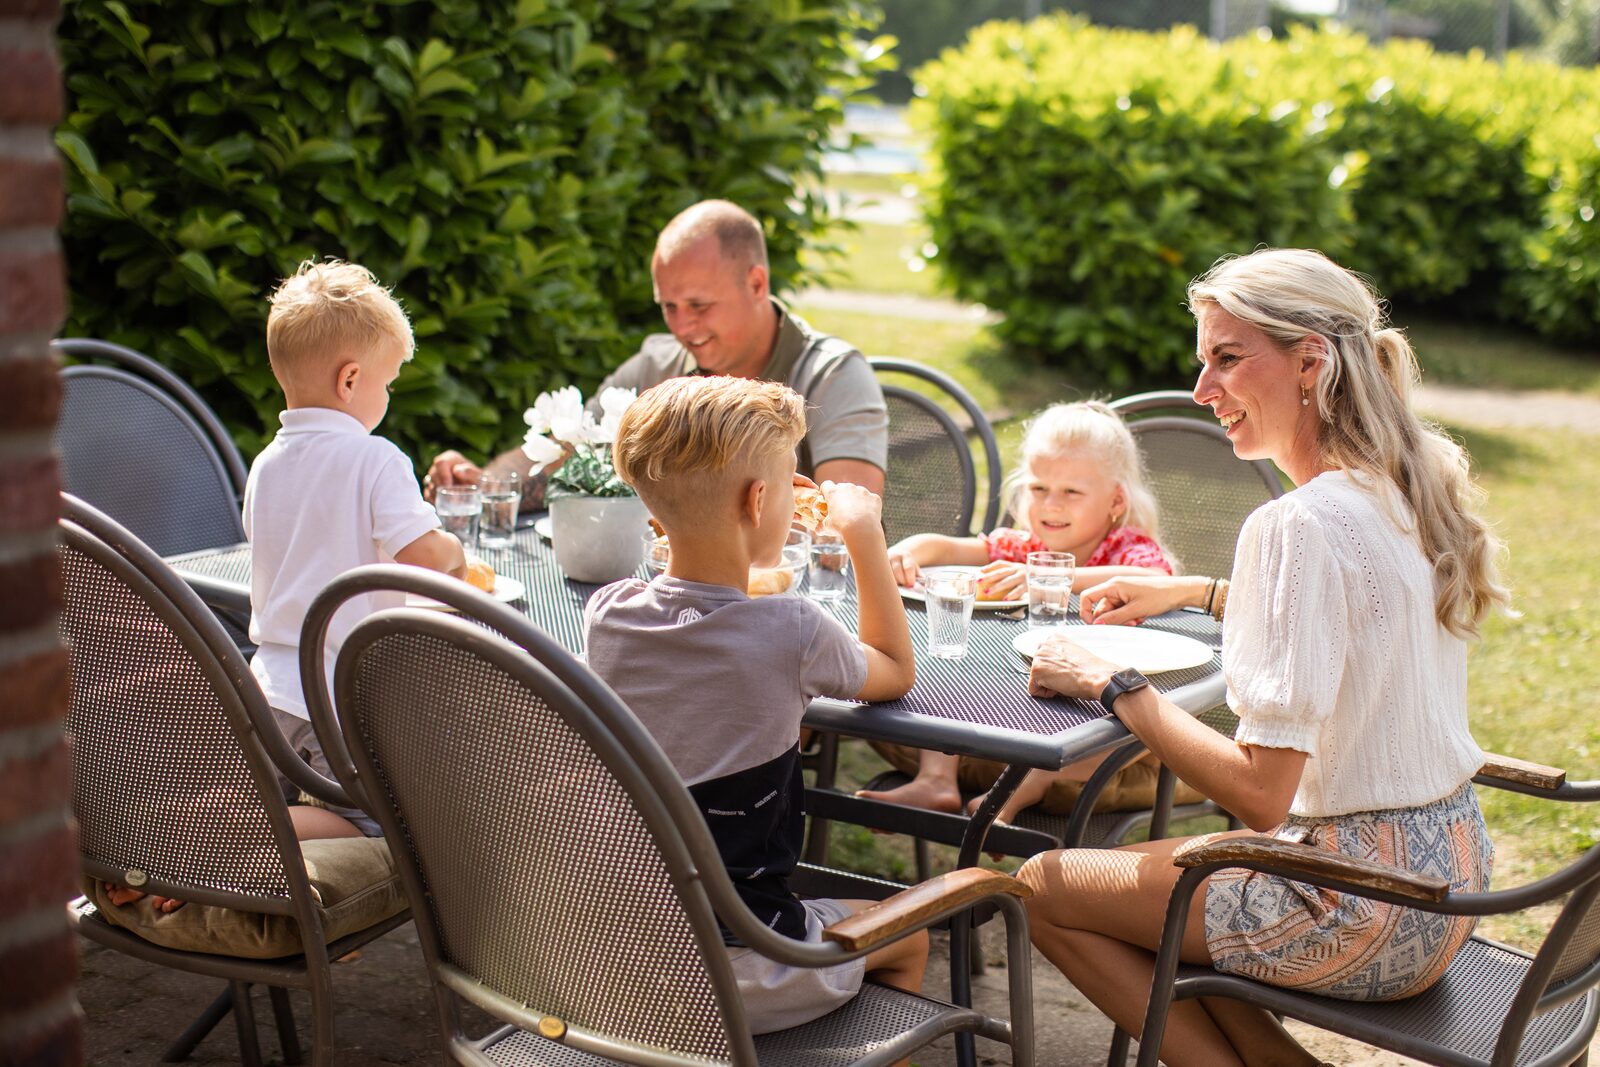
[(921, 904), (1314, 865), (1498, 768)]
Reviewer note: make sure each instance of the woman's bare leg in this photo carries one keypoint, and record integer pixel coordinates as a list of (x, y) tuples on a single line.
[(1097, 915)]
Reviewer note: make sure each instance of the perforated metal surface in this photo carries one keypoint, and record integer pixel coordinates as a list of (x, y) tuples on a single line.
[(160, 783), (1463, 1012), (541, 860), (1205, 492), (131, 451), (927, 486), (837, 1039), (1583, 949), (985, 687)]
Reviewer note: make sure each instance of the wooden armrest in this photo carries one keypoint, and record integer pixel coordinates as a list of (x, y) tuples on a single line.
[(913, 907), (1314, 863), (1511, 769)]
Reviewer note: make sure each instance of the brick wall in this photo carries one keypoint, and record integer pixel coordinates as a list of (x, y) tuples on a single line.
[(39, 1018)]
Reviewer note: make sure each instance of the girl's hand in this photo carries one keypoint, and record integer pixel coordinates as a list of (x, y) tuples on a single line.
[(1130, 600), (904, 566), (1061, 668), (1003, 580)]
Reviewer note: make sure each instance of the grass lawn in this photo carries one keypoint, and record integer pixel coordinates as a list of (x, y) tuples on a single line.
[(1531, 678)]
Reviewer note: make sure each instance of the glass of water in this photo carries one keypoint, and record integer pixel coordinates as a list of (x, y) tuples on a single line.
[(829, 569), (1049, 588), (459, 508), (949, 594), (502, 495)]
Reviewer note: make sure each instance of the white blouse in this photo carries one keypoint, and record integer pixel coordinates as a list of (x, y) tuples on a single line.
[(1331, 648)]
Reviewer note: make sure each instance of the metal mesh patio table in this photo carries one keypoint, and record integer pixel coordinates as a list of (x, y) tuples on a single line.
[(974, 706)]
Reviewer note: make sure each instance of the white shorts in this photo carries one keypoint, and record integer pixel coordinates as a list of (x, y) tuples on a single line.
[(778, 996)]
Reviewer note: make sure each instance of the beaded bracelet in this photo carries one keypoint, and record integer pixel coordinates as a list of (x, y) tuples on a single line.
[(1220, 606)]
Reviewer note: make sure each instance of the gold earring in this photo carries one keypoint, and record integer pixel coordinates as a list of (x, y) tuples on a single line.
[(1305, 397)]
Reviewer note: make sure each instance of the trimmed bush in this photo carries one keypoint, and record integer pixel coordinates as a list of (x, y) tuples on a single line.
[(1083, 176), (504, 165)]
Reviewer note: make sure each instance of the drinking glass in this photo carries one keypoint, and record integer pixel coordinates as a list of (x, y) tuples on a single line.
[(1049, 588), (459, 508), (949, 595), (830, 566), (502, 495)]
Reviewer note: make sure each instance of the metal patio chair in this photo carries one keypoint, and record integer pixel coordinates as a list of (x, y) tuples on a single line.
[(144, 448), (175, 786), (1204, 491), (563, 879), (932, 481), (1495, 1005)]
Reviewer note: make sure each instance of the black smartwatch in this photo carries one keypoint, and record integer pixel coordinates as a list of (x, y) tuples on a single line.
[(1124, 681)]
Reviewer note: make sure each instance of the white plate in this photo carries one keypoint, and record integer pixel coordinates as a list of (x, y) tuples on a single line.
[(505, 591), (1149, 651), (921, 597), (545, 528)]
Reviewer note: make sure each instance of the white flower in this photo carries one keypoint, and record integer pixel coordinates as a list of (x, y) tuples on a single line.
[(541, 450), (560, 414), (613, 403)]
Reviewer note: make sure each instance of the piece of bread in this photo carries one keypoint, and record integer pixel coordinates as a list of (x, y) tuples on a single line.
[(810, 507), (480, 575), (769, 581)]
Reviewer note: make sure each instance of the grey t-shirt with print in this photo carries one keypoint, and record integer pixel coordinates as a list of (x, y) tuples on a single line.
[(721, 681)]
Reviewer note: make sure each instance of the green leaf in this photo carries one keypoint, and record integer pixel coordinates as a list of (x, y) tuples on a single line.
[(517, 217), (443, 81), (78, 151), (263, 21), (434, 55)]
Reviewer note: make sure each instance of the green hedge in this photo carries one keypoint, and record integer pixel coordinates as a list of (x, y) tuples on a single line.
[(505, 164), (1102, 169)]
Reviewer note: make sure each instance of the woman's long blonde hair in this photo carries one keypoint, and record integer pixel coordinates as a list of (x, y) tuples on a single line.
[(1091, 428), (1363, 399)]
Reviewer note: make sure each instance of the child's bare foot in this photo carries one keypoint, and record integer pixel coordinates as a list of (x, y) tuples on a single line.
[(121, 894), (931, 794), (1008, 811)]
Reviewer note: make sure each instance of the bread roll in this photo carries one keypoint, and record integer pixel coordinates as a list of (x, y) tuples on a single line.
[(769, 581), (480, 575)]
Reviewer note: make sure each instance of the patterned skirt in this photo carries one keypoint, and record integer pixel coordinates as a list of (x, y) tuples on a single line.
[(1299, 936)]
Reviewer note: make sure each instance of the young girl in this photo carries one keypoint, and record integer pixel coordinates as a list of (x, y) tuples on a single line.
[(1080, 489)]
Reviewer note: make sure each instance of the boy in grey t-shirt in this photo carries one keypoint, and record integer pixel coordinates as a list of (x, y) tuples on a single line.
[(722, 680)]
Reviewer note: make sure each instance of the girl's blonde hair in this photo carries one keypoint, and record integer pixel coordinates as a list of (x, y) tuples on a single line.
[(1093, 428), (1363, 398)]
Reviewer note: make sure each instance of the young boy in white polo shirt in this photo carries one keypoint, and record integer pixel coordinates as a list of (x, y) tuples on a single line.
[(326, 495)]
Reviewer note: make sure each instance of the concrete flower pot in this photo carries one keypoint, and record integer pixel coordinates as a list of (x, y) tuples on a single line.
[(598, 538)]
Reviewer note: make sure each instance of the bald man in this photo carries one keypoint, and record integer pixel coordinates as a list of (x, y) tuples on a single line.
[(712, 284)]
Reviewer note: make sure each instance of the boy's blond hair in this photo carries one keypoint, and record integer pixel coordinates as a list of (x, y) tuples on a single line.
[(721, 429), (330, 312)]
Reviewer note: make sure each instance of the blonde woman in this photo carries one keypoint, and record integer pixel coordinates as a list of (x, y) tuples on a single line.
[(1345, 655)]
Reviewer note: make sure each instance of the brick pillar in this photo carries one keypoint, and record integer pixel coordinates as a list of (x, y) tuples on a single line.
[(39, 1018)]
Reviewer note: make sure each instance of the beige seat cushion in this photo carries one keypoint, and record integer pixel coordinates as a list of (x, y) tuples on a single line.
[(352, 877)]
